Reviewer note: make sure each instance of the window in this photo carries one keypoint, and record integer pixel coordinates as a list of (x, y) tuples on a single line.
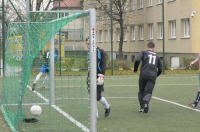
[(141, 32), (133, 32), (132, 58), (150, 26), (125, 57), (173, 29), (106, 35), (160, 31), (170, 0), (141, 3), (124, 4), (160, 1), (100, 36), (150, 3), (125, 34), (118, 34), (65, 35), (186, 28), (132, 4)]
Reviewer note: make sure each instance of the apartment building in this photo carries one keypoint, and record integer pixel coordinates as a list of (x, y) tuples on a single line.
[(72, 33), (143, 22)]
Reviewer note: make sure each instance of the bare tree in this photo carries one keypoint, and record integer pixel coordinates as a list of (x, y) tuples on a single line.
[(39, 3), (118, 10)]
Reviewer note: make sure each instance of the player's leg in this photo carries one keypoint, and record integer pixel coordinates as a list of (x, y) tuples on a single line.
[(45, 81), (46, 77), (36, 79), (142, 84), (42, 70), (148, 93), (102, 100), (196, 101)]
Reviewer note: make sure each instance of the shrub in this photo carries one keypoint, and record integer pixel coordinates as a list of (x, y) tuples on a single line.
[(124, 64), (72, 63)]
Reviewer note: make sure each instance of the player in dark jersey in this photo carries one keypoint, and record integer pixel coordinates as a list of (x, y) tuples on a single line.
[(101, 69), (151, 68), (45, 68)]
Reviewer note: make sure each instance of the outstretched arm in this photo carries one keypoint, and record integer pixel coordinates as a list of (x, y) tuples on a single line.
[(136, 64), (137, 61), (195, 61), (103, 68)]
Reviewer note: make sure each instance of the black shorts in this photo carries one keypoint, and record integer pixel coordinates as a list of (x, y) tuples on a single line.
[(146, 84)]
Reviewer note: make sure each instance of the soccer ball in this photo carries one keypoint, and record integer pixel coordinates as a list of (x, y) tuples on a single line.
[(36, 110)]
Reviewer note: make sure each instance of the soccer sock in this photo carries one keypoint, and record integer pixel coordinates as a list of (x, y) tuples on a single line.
[(197, 98), (104, 102), (38, 77), (45, 80)]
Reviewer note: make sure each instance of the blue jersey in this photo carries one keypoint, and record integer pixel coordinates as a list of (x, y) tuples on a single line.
[(101, 60)]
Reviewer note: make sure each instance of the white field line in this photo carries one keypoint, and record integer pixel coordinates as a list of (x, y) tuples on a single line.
[(27, 104), (84, 128), (123, 77), (72, 99), (164, 100), (171, 102), (155, 85), (88, 98), (129, 85)]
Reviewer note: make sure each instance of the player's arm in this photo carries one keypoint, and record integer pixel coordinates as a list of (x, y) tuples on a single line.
[(137, 61), (159, 67), (103, 68), (195, 61)]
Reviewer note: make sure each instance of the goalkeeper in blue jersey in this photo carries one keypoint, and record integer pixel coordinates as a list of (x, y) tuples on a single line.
[(197, 99), (45, 68), (101, 69)]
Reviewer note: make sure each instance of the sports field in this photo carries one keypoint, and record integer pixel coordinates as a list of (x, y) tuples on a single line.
[(168, 108)]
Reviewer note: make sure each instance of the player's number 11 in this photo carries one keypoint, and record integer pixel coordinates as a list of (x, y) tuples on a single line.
[(152, 59)]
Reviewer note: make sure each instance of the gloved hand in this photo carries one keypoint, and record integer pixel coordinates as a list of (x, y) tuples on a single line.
[(100, 79)]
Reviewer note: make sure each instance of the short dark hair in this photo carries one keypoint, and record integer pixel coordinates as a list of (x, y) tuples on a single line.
[(151, 45)]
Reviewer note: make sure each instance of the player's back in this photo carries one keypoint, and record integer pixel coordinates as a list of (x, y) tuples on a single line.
[(149, 64), (46, 57)]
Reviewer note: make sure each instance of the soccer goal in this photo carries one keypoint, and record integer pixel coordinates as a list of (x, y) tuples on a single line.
[(62, 93)]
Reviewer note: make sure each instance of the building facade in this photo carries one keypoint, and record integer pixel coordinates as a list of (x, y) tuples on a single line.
[(143, 22), (176, 31), (72, 33)]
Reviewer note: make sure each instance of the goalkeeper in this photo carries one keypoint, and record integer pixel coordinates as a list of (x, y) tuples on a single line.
[(101, 69), (196, 101), (45, 68)]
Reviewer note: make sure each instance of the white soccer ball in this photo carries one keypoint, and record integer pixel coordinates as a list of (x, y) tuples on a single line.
[(36, 110)]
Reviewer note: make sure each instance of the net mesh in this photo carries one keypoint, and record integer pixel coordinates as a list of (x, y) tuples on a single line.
[(25, 44)]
